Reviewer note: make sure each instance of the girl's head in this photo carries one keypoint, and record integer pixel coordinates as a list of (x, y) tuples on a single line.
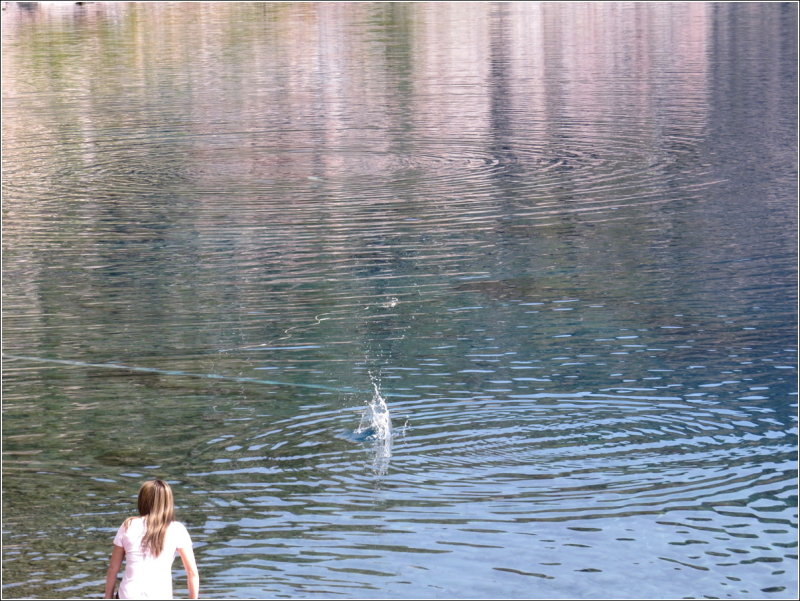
[(155, 499), (156, 504)]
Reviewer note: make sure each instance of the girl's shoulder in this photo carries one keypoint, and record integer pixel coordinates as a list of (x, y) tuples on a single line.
[(178, 533), (126, 524), (176, 525), (130, 529)]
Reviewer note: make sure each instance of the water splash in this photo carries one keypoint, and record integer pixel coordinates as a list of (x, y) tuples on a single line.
[(376, 427), (376, 423)]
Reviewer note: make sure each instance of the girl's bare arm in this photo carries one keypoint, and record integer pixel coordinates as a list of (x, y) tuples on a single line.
[(192, 575), (117, 555)]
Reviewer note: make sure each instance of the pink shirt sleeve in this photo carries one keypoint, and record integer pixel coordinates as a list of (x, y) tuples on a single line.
[(118, 540), (182, 538)]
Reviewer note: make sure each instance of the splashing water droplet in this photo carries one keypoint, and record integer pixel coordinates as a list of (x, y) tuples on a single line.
[(376, 419), (376, 426)]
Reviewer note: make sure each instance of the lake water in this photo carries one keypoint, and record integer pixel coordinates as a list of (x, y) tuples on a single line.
[(554, 244)]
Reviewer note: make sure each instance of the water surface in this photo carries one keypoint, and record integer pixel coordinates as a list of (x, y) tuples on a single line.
[(560, 239)]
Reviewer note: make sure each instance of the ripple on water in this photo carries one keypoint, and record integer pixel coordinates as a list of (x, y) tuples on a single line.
[(593, 171), (611, 455), (586, 472)]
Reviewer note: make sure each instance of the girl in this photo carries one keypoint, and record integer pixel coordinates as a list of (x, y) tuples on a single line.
[(148, 544)]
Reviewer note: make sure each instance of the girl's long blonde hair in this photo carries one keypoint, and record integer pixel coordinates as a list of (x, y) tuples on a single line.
[(157, 506)]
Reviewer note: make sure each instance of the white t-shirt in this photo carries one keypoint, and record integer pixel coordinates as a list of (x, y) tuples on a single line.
[(146, 576)]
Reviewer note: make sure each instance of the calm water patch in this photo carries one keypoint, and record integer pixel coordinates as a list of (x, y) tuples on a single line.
[(428, 300)]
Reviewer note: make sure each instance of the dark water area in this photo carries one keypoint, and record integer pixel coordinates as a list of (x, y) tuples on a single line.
[(406, 300)]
